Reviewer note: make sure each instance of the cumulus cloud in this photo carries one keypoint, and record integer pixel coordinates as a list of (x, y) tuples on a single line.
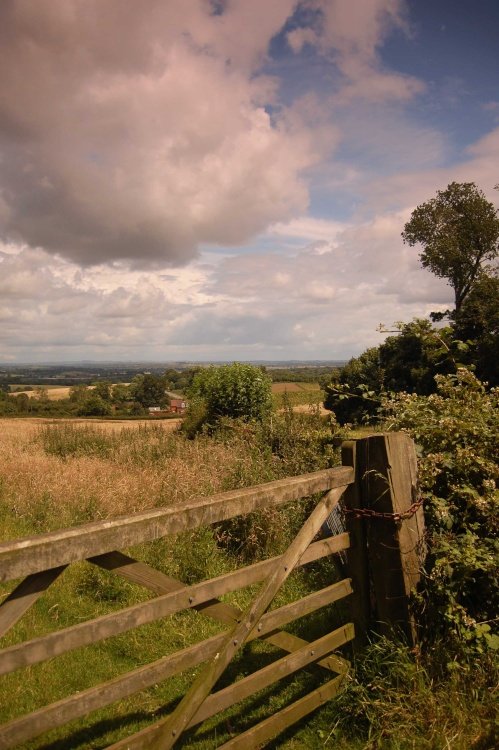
[(156, 160), (138, 130)]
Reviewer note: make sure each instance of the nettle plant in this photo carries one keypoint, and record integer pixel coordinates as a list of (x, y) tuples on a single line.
[(456, 430)]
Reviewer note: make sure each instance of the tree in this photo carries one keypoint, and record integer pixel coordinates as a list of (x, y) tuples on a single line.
[(411, 359), (353, 395), (102, 388), (94, 406), (459, 232), (478, 325), (238, 391), (78, 393), (120, 393), (408, 362), (149, 390)]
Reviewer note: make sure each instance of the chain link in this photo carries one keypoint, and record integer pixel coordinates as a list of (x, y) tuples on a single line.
[(371, 513)]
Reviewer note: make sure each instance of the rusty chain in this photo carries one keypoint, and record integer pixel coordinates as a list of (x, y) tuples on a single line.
[(371, 513)]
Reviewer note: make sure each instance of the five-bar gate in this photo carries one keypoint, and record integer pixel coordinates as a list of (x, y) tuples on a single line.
[(40, 560)]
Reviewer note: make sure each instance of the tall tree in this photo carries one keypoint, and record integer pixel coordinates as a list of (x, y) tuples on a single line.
[(459, 232)]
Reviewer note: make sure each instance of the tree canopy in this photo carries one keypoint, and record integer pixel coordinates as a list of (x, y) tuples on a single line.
[(459, 232), (407, 362), (149, 390), (478, 325)]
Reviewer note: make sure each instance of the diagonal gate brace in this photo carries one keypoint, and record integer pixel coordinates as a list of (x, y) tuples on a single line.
[(181, 717)]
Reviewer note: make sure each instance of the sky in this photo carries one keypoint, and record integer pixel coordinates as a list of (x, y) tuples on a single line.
[(196, 180)]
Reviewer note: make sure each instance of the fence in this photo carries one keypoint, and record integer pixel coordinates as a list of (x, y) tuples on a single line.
[(382, 542)]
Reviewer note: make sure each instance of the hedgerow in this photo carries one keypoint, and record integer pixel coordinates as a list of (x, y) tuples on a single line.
[(456, 430)]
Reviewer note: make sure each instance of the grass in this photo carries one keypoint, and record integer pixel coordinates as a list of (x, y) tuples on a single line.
[(285, 395), (54, 475), (64, 473)]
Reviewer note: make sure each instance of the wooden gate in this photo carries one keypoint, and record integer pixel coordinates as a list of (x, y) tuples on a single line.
[(40, 560)]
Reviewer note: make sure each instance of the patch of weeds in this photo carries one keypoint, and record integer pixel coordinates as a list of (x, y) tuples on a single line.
[(68, 440)]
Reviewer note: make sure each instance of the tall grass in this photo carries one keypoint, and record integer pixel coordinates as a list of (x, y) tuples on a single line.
[(64, 474)]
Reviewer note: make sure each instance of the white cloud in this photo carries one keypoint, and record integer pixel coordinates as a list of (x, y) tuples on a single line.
[(139, 135), (128, 141), (308, 228)]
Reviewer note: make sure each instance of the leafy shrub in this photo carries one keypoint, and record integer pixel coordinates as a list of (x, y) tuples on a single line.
[(237, 391), (456, 430), (94, 406)]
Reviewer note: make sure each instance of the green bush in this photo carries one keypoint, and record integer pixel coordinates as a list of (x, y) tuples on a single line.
[(94, 406), (457, 430), (237, 391)]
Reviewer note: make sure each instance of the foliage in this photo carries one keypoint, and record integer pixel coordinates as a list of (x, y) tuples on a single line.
[(120, 394), (78, 393), (456, 430), (94, 406), (459, 232), (395, 701), (408, 362), (478, 324), (353, 396), (411, 359), (237, 391), (149, 390), (102, 388)]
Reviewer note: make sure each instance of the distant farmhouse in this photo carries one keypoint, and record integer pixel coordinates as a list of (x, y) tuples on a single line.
[(177, 406)]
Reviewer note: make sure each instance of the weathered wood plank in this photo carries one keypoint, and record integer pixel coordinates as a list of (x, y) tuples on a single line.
[(270, 674), (106, 626), (243, 688), (402, 460), (288, 642), (80, 704), (34, 554), (24, 596), (353, 454), (274, 725), (394, 546), (176, 723)]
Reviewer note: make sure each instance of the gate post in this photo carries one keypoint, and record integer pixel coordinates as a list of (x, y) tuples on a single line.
[(386, 483), (357, 557)]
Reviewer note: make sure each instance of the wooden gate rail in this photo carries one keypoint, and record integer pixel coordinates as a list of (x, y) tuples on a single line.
[(40, 553), (42, 559), (92, 631)]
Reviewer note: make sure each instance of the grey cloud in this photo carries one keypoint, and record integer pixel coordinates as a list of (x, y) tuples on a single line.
[(128, 135)]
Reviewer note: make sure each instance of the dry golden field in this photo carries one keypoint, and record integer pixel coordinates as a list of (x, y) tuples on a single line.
[(54, 393), (294, 387), (105, 468)]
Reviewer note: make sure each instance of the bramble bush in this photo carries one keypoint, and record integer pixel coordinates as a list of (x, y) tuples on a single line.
[(456, 430)]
